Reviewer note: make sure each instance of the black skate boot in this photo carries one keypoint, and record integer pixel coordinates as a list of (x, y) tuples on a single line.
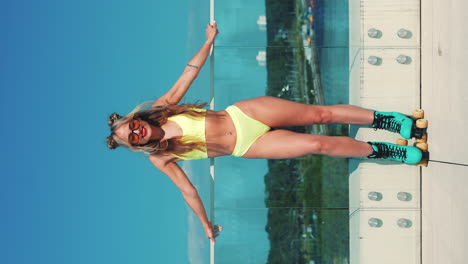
[(407, 154)]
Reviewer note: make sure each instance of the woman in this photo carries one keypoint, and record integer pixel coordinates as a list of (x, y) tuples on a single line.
[(169, 132)]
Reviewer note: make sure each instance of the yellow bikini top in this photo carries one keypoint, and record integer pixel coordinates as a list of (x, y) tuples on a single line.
[(194, 129)]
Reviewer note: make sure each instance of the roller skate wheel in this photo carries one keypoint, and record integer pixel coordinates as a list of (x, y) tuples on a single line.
[(423, 139), (423, 163), (422, 146), (402, 142), (421, 123), (418, 113)]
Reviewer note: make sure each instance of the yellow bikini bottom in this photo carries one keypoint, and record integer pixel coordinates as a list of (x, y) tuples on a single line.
[(248, 130)]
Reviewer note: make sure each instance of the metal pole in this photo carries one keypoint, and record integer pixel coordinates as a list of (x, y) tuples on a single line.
[(212, 162)]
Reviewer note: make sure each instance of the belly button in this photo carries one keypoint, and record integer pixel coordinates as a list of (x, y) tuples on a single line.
[(228, 133)]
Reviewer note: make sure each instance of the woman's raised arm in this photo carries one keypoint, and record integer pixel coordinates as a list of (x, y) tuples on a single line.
[(193, 67), (189, 192)]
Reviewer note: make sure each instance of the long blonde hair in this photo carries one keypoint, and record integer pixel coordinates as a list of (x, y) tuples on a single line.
[(157, 116)]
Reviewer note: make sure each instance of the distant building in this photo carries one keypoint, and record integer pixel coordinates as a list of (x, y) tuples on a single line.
[(262, 22), (261, 58)]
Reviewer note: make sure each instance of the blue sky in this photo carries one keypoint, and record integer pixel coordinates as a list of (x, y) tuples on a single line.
[(65, 66)]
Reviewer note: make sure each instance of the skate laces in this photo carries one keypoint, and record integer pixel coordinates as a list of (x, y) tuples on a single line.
[(386, 122), (385, 151)]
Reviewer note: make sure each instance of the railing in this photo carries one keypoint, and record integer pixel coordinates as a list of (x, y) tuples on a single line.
[(212, 161)]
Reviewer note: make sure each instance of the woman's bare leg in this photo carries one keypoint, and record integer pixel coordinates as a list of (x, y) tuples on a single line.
[(276, 112), (283, 144)]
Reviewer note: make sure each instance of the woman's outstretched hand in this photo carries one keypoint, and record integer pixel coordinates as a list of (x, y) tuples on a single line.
[(211, 31), (212, 231)]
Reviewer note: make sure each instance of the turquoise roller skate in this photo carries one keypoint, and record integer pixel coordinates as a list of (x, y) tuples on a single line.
[(407, 154), (407, 126)]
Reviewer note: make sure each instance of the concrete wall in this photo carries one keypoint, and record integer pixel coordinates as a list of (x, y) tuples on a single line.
[(390, 86)]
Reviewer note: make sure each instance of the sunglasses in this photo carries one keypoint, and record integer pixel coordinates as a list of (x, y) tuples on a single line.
[(134, 138)]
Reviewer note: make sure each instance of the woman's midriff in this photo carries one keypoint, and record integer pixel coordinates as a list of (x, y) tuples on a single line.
[(220, 133)]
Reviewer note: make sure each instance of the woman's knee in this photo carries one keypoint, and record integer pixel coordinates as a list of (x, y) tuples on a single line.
[(324, 115), (315, 145), (320, 145)]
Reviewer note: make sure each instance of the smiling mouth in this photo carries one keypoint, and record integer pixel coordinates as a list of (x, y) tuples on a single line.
[(143, 132)]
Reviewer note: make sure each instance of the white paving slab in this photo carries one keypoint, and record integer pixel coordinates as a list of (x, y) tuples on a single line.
[(445, 100), (444, 214)]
